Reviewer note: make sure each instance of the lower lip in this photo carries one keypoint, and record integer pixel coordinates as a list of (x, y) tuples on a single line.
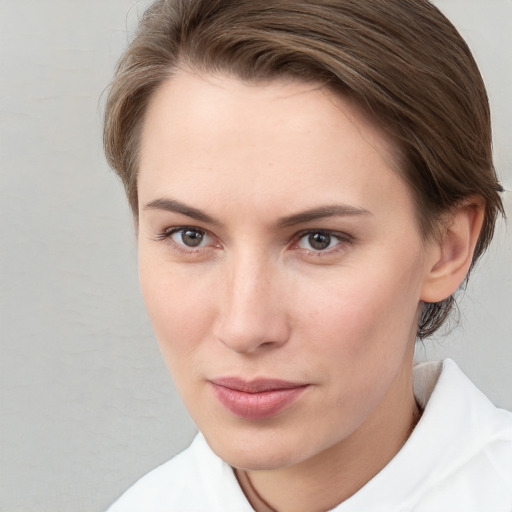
[(256, 406)]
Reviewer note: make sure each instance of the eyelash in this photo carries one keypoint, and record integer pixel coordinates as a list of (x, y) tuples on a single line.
[(342, 238), (166, 236)]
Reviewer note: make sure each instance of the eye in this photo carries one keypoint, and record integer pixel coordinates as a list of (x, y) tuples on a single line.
[(186, 237), (189, 237), (321, 241)]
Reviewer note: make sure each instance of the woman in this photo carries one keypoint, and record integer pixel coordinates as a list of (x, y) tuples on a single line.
[(311, 182)]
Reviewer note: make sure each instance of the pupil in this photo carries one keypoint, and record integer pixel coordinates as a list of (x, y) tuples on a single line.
[(191, 238), (319, 241)]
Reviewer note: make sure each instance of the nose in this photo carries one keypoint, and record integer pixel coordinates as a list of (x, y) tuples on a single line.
[(252, 312)]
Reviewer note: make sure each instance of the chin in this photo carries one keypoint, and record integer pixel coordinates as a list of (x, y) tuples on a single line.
[(258, 453)]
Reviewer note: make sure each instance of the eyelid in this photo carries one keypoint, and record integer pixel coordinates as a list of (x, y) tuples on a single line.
[(337, 234), (167, 234), (344, 238)]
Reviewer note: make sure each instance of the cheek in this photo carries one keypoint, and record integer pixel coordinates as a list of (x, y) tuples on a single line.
[(179, 308), (363, 314), (357, 335)]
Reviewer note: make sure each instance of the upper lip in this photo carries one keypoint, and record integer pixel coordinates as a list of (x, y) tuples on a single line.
[(255, 385)]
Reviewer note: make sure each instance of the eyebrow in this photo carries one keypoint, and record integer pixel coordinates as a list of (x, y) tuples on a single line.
[(172, 205), (306, 216), (322, 212)]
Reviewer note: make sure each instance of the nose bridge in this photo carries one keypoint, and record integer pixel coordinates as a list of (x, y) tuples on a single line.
[(250, 312)]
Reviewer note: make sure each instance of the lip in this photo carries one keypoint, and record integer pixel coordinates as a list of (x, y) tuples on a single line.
[(256, 399)]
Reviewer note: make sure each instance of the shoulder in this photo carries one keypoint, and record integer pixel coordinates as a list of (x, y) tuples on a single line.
[(459, 456), (463, 441), (470, 441), (194, 480)]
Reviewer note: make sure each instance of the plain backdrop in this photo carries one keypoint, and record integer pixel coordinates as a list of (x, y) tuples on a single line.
[(86, 404)]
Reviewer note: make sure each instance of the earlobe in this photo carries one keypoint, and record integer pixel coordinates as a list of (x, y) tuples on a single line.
[(452, 254)]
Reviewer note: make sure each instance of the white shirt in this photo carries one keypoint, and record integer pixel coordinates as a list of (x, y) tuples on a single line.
[(457, 459)]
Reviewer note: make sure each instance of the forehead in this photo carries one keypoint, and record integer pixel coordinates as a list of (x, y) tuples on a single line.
[(283, 140), (203, 104)]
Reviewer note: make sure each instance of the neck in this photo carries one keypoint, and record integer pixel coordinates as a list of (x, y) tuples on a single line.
[(329, 478)]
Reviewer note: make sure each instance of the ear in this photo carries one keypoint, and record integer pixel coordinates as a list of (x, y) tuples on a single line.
[(452, 253)]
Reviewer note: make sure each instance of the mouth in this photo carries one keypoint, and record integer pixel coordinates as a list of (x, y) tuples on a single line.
[(256, 399)]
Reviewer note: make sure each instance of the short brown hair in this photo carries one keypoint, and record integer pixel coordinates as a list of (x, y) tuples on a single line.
[(401, 61)]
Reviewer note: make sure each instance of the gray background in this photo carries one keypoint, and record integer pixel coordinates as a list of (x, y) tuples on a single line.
[(86, 403)]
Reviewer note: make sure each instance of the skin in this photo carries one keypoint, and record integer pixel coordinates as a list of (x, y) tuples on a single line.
[(238, 164)]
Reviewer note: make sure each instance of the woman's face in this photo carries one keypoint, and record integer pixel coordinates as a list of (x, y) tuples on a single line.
[(280, 262)]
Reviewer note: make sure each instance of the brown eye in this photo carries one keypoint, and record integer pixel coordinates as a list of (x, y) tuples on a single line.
[(319, 241), (192, 238), (323, 241), (189, 237)]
